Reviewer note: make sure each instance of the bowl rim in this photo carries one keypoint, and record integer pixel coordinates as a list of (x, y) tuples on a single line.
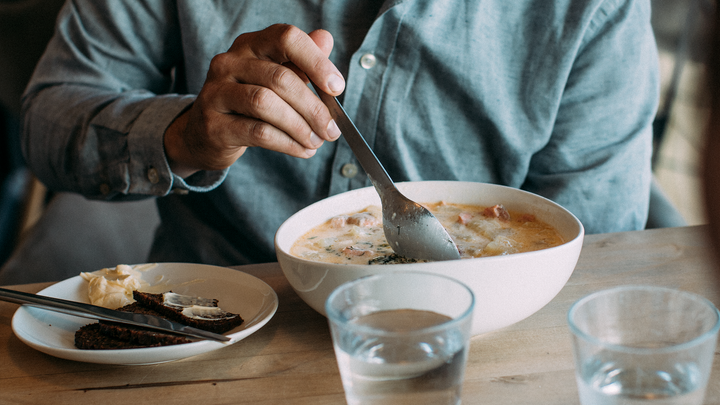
[(578, 235)]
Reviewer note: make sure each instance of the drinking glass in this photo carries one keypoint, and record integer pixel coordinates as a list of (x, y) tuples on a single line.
[(401, 337), (640, 344)]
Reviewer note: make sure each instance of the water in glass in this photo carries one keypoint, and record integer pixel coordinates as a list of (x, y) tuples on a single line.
[(431, 370), (611, 383)]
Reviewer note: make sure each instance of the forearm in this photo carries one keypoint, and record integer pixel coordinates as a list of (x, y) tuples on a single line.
[(102, 144), (95, 111)]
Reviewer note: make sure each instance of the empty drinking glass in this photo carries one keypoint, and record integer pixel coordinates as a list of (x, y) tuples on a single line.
[(635, 344)]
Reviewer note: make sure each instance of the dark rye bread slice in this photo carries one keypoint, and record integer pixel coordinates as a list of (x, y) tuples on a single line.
[(97, 336), (156, 303), (89, 337), (110, 335), (138, 334)]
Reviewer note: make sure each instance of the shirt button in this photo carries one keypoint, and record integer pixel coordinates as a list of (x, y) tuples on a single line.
[(104, 189), (368, 61), (349, 170), (153, 176)]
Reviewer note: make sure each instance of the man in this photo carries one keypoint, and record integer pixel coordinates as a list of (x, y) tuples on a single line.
[(206, 105)]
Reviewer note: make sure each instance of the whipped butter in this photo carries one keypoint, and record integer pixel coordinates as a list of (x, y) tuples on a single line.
[(113, 287)]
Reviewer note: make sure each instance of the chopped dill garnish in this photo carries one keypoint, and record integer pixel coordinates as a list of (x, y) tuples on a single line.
[(394, 258)]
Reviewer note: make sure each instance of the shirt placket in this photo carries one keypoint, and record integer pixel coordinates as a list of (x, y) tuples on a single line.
[(363, 92)]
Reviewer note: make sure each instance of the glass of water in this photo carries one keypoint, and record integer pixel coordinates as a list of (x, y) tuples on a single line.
[(401, 338), (639, 344)]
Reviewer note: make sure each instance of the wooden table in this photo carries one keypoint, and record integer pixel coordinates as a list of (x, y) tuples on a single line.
[(291, 359)]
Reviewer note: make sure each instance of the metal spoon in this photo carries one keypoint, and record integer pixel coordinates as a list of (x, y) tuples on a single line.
[(410, 228)]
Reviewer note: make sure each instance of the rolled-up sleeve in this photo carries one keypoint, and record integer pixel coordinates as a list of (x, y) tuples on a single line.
[(598, 161), (99, 102)]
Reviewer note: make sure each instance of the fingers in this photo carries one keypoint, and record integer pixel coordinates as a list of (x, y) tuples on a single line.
[(268, 119), (279, 53), (274, 94), (309, 52), (258, 133), (257, 95)]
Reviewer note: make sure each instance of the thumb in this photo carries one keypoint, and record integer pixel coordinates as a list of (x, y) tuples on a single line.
[(324, 42)]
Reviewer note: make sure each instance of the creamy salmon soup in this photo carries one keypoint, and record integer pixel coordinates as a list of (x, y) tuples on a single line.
[(358, 238)]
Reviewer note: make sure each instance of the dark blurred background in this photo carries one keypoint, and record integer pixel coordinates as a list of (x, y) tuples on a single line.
[(25, 28), (48, 236)]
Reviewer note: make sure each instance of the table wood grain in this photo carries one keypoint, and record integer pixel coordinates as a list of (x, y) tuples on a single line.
[(291, 361)]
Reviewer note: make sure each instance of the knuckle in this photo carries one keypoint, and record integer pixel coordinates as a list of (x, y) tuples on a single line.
[(277, 28), (242, 39), (289, 35), (317, 111), (259, 133), (281, 77), (220, 63), (260, 99)]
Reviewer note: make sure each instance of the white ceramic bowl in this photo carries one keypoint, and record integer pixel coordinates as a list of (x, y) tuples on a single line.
[(507, 289)]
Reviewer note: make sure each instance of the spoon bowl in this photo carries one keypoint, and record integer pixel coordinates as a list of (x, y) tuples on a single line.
[(413, 231)]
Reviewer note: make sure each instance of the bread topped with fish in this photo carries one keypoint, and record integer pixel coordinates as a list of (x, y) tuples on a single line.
[(198, 312)]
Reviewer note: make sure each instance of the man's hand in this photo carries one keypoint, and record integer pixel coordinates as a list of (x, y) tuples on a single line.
[(256, 94)]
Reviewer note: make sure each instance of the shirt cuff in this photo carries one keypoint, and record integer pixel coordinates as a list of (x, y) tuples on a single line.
[(149, 168), (199, 182)]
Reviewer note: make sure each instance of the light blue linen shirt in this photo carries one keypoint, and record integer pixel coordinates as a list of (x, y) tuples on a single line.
[(554, 97)]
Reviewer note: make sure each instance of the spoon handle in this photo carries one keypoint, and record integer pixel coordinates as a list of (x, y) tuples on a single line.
[(411, 230), (369, 162)]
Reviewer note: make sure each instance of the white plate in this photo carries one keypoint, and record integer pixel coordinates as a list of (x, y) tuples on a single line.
[(54, 333)]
